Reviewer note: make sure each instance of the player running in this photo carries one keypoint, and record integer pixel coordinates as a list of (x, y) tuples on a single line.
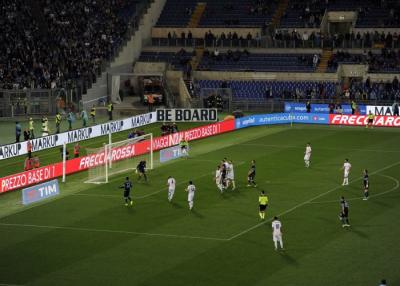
[(171, 188), (346, 168), (307, 155), (191, 189), (344, 212), (277, 233), (141, 170), (127, 186), (366, 184), (184, 144), (371, 118), (251, 175), (263, 201), (230, 176), (218, 179)]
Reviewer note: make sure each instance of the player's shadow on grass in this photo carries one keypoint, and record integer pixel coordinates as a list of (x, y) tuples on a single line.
[(288, 259), (359, 233), (175, 205), (196, 213)]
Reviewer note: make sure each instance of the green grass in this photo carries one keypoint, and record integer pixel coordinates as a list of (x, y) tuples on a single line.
[(87, 236)]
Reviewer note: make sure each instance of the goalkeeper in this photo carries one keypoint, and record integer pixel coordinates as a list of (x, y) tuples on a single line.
[(141, 170), (184, 144)]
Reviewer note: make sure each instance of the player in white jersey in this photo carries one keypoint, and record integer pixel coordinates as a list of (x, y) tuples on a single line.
[(171, 183), (346, 169), (307, 155), (191, 189), (230, 176), (218, 179), (277, 233)]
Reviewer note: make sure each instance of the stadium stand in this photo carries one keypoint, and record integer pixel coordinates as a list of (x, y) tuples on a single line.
[(54, 42)]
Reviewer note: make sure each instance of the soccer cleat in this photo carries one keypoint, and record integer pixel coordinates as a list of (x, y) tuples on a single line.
[(131, 203), (365, 199), (248, 185), (126, 204)]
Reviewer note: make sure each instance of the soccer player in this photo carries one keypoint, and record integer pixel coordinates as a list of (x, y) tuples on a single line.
[(218, 179), (230, 175), (263, 201), (277, 233), (127, 186), (307, 155), (366, 184), (223, 174), (252, 174), (371, 118), (344, 212), (191, 190), (346, 168), (141, 170), (171, 188), (184, 144)]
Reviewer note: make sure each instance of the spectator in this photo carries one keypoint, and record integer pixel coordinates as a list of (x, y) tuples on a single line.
[(27, 135), (110, 109), (353, 107), (93, 114), (315, 60), (70, 119), (29, 148), (308, 107), (150, 102), (31, 128), (395, 108), (18, 131), (45, 126), (84, 117), (58, 122)]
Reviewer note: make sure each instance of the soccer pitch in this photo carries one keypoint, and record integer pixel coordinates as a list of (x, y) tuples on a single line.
[(87, 236)]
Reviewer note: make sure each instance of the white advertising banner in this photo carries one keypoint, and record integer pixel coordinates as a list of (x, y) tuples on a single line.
[(42, 143), (380, 110)]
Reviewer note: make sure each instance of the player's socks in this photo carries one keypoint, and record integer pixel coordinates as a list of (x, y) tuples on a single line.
[(276, 245), (260, 214), (131, 203)]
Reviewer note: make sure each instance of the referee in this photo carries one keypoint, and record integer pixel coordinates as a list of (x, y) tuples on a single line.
[(263, 201), (127, 186)]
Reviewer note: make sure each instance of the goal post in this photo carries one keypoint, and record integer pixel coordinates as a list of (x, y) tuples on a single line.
[(119, 157)]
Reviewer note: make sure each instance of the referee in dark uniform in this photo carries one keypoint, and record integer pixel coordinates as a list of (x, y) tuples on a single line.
[(344, 212), (366, 185), (251, 175), (127, 186)]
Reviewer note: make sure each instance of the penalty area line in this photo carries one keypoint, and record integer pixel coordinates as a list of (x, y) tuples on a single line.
[(307, 202)]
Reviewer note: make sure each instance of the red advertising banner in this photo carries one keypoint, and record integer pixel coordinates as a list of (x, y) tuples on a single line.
[(24, 179), (362, 120)]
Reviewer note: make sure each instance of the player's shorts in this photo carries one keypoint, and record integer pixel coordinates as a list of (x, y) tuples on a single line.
[(345, 212), (171, 190), (218, 181), (366, 185), (346, 174), (370, 121), (307, 157), (231, 177), (190, 197), (276, 237), (126, 194), (141, 171), (263, 208), (252, 175)]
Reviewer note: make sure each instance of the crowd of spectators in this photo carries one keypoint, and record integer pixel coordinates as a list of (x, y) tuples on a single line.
[(307, 14), (46, 43), (386, 61), (169, 128)]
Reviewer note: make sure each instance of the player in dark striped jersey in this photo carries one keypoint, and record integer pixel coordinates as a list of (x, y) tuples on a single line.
[(366, 184), (344, 212), (127, 186), (251, 174)]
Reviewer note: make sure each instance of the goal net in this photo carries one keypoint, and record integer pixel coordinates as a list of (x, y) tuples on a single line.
[(119, 157)]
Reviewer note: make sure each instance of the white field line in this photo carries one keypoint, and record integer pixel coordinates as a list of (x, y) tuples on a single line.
[(371, 196), (322, 148), (112, 231), (307, 202)]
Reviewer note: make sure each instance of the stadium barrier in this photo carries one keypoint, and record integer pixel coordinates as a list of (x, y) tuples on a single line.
[(57, 140), (24, 179), (321, 108)]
